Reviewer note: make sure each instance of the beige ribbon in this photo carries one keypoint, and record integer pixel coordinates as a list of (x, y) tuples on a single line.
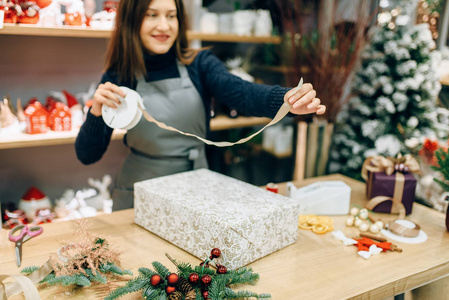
[(387, 165), (396, 201), (282, 112), (404, 231), (25, 284)]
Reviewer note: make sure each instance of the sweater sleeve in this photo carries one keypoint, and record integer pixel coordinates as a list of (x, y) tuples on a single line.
[(94, 136), (259, 100)]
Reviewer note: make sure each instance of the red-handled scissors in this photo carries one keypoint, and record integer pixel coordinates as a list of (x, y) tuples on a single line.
[(25, 233)]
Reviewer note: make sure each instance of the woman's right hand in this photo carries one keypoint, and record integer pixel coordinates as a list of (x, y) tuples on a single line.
[(106, 94)]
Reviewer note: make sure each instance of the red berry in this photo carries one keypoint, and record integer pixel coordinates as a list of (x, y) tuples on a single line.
[(206, 280), (156, 279), (205, 265), (170, 289), (194, 278), (172, 279), (205, 294), (215, 253), (222, 269)]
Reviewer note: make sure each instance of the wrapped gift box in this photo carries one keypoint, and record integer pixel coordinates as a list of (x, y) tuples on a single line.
[(381, 184), (322, 198), (200, 210)]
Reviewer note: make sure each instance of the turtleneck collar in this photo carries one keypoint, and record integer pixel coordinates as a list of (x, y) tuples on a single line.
[(159, 61)]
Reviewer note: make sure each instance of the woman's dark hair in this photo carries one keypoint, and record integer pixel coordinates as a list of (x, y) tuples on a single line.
[(125, 51)]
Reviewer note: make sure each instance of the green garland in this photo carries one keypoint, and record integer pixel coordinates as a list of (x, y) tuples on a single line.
[(218, 288)]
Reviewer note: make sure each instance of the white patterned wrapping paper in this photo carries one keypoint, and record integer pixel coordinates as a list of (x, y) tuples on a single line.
[(200, 210)]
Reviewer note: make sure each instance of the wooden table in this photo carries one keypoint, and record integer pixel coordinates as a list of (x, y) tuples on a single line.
[(315, 267)]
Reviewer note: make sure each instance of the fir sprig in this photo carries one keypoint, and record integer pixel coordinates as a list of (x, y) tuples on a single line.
[(78, 279), (131, 286), (161, 269), (29, 269), (112, 268), (84, 278), (442, 166), (146, 272)]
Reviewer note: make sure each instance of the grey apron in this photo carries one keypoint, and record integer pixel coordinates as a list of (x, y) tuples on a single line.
[(157, 152)]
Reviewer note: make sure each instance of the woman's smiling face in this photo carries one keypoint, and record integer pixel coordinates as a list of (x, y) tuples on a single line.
[(160, 26)]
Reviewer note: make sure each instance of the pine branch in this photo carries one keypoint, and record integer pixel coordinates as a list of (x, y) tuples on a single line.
[(131, 286), (244, 275), (48, 277), (78, 279), (150, 293), (161, 269), (203, 271), (146, 272), (442, 166), (96, 277), (230, 294), (162, 296), (112, 268), (184, 268), (29, 270), (198, 296), (216, 287)]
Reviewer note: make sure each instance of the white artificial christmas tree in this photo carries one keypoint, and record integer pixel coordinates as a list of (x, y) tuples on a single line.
[(394, 98)]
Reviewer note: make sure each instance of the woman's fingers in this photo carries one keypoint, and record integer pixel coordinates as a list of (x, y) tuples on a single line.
[(106, 94), (304, 101), (321, 109)]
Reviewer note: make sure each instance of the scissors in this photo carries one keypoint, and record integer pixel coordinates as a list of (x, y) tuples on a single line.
[(25, 233)]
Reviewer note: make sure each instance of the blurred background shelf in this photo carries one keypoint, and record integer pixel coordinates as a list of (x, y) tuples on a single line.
[(24, 140), (86, 32)]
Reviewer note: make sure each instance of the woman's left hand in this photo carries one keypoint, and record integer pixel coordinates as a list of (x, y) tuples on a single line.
[(304, 101)]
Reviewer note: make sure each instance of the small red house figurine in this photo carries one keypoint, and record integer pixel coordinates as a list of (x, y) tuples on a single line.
[(36, 118), (60, 118)]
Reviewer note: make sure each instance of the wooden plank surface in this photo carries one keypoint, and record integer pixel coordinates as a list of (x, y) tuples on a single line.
[(315, 267)]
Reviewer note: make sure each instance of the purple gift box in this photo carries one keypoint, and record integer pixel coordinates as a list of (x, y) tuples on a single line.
[(381, 184)]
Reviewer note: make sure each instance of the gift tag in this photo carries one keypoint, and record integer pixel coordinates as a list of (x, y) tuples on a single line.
[(127, 114)]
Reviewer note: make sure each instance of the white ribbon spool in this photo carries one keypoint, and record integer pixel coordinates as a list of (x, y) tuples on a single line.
[(127, 114)]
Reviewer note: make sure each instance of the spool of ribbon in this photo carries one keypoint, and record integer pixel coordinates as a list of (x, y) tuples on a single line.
[(127, 115), (388, 166), (403, 230)]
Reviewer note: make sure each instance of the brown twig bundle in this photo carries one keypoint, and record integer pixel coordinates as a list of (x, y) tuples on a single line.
[(324, 56)]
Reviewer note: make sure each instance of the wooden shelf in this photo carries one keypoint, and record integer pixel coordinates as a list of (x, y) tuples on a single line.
[(24, 140), (86, 32), (233, 38), (63, 31), (225, 123)]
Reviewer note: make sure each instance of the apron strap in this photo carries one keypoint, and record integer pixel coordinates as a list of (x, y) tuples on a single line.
[(184, 74)]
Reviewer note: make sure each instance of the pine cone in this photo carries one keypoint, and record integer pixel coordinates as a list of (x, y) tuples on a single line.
[(186, 288), (176, 295)]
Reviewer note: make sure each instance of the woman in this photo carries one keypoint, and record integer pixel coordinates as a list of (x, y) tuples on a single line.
[(148, 52)]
